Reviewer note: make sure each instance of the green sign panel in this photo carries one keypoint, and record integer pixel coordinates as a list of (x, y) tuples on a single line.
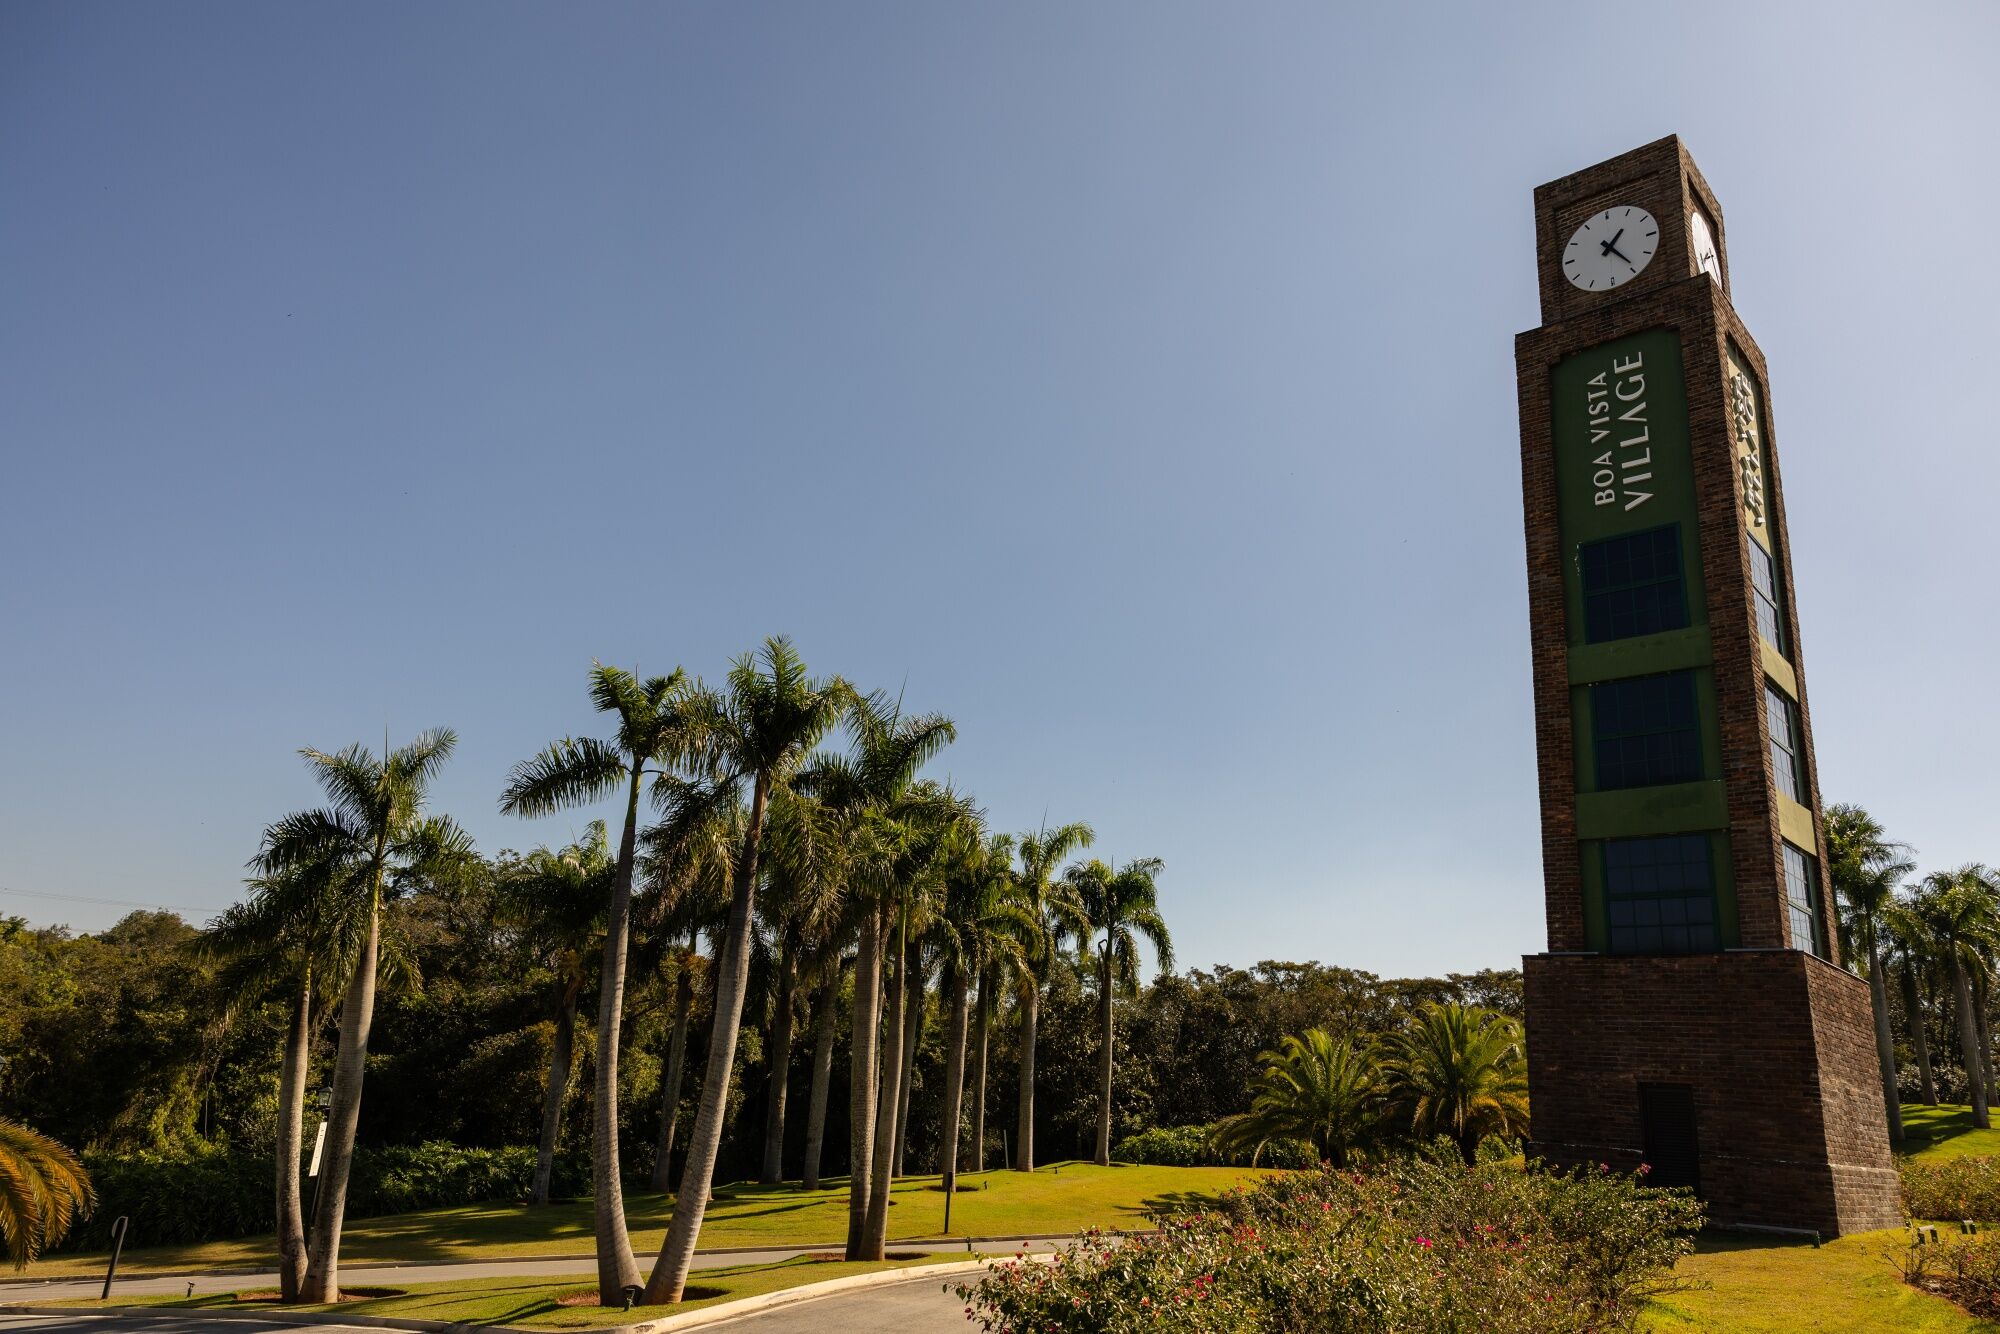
[(1623, 464)]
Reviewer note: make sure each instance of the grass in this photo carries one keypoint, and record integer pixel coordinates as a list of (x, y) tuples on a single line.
[(1065, 1197), (1944, 1131), (536, 1303), (1849, 1286)]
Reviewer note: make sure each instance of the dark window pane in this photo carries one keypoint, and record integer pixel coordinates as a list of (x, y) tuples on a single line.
[(1643, 731), (1659, 894), (1632, 585), (1781, 717)]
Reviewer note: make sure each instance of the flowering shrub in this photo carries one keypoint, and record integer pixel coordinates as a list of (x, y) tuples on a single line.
[(1964, 1269), (1409, 1245), (1952, 1188)]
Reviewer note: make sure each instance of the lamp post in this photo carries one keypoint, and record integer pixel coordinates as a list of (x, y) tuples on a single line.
[(325, 1103)]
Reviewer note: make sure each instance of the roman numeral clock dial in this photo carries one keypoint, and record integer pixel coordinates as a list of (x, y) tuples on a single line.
[(1611, 248)]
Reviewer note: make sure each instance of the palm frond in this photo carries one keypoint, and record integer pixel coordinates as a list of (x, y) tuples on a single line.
[(572, 772)]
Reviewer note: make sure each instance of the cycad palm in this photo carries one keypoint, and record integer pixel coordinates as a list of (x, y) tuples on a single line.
[(1460, 1071), (43, 1188), (557, 901), (1041, 893), (655, 732), (374, 830), (1866, 869), (756, 735), (1117, 908), (1314, 1088)]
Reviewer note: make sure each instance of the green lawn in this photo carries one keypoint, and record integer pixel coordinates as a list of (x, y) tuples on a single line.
[(538, 1303), (1945, 1131), (1849, 1286), (1067, 1197)]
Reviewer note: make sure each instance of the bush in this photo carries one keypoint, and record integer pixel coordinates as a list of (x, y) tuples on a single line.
[(1952, 1188), (1188, 1146), (213, 1194), (1412, 1245), (1963, 1269)]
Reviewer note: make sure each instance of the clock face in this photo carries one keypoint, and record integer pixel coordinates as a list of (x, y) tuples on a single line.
[(1702, 241), (1611, 248)]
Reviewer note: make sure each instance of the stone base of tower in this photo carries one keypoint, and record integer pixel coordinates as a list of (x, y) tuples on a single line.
[(1768, 1056)]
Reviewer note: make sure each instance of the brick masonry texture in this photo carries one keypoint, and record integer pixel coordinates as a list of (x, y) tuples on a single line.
[(1778, 1045)]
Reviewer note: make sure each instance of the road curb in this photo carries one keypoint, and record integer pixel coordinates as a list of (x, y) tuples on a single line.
[(670, 1324)]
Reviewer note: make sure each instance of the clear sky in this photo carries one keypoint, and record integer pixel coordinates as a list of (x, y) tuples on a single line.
[(1132, 382)]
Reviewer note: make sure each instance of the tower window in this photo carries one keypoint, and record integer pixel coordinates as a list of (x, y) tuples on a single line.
[(1781, 718), (1802, 898), (1644, 731), (1764, 587), (1632, 585), (1659, 894)]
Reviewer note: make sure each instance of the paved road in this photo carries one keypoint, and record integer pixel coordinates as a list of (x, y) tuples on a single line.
[(86, 1323), (399, 1276), (920, 1306)]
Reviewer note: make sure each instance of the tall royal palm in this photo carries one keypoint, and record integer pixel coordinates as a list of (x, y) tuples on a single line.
[(1866, 869), (298, 928), (375, 830), (868, 791), (556, 900), (654, 734), (977, 923), (754, 735), (1961, 915), (1038, 889), (1117, 908)]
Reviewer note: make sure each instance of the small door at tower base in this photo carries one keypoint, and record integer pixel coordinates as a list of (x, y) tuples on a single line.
[(1666, 1122)]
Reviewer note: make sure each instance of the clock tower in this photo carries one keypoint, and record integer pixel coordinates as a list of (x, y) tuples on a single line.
[(1691, 1012)]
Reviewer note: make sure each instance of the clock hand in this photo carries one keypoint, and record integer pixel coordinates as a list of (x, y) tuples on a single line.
[(1611, 247), (1616, 251)]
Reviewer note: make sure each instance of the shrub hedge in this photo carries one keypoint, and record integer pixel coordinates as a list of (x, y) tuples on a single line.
[(1952, 1188), (1411, 1244), (216, 1194), (1188, 1146)]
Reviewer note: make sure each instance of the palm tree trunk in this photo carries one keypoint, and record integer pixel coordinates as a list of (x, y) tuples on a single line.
[(291, 1142), (705, 1142), (357, 1017), (1885, 1048), (780, 1074), (617, 1269), (864, 1054), (1968, 1042), (954, 1077), (1913, 1014), (984, 1011), (1985, 1041), (554, 1090), (1024, 1129), (1105, 1020), (913, 1025), (826, 1013), (875, 1238), (676, 1080)]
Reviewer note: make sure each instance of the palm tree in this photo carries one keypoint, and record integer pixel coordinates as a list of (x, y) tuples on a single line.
[(1323, 1090), (299, 925), (979, 924), (1460, 1071), (803, 876), (654, 734), (43, 1188), (1046, 900), (375, 833), (688, 865), (1866, 868), (1909, 951), (1962, 917), (1117, 908), (755, 735), (869, 791), (557, 901)]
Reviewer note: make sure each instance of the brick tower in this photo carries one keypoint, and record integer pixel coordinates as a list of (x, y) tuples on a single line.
[(1691, 1012)]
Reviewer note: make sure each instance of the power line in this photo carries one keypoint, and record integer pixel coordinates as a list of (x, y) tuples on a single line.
[(109, 903)]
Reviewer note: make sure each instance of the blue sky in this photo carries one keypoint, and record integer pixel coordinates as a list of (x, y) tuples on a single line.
[(1132, 382)]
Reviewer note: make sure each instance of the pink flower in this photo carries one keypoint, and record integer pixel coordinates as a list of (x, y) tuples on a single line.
[(1424, 1242)]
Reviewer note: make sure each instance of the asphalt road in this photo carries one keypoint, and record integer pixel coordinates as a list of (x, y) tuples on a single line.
[(188, 1323)]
